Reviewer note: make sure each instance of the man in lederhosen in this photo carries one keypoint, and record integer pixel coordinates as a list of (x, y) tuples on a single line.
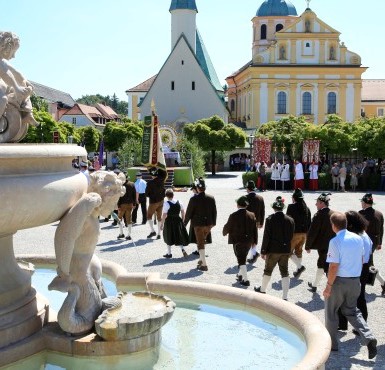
[(319, 235), (242, 230), (202, 212)]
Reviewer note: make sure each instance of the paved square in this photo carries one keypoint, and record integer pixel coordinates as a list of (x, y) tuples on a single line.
[(145, 255)]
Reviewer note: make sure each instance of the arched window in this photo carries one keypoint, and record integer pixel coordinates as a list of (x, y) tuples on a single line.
[(281, 103), (278, 27), (232, 105), (306, 103), (332, 103), (263, 32)]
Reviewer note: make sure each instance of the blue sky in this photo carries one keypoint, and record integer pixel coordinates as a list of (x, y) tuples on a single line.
[(96, 46)]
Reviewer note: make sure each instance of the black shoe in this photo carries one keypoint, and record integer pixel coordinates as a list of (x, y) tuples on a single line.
[(245, 283), (372, 349), (258, 290), (120, 236), (167, 255), (285, 299), (128, 237), (356, 332), (199, 264), (196, 252), (253, 259), (144, 222), (298, 273), (153, 233), (106, 219), (158, 237), (340, 328), (114, 223), (202, 268), (238, 277), (383, 289), (312, 288)]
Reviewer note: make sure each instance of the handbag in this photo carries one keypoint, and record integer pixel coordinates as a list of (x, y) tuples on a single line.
[(371, 275)]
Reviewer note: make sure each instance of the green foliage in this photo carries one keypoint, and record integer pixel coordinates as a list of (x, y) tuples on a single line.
[(119, 107), (38, 103), (43, 133), (191, 154), (130, 152), (247, 176), (90, 137), (116, 134)]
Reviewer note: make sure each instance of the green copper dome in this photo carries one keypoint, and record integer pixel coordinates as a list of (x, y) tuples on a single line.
[(276, 8), (183, 4)]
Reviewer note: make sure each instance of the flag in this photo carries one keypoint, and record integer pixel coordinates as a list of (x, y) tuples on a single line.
[(152, 151), (262, 150), (310, 151), (101, 152)]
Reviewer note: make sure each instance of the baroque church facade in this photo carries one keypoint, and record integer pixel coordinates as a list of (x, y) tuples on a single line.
[(299, 66), (187, 87)]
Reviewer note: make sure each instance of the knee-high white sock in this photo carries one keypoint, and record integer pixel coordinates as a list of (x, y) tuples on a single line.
[(253, 250), (318, 277), (380, 278), (297, 261), (265, 283), (120, 223), (243, 272), (151, 224), (202, 257), (129, 228), (285, 287), (169, 249), (159, 225)]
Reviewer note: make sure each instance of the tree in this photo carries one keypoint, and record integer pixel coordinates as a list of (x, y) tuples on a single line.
[(213, 134), (120, 107), (191, 154), (115, 134), (43, 133), (90, 138)]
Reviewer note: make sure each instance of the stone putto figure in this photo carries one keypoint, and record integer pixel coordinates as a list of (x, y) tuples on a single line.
[(15, 91)]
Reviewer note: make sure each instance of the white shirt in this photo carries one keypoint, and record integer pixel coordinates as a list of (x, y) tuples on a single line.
[(346, 249), (313, 168), (140, 186), (285, 174), (299, 171), (166, 206), (367, 246)]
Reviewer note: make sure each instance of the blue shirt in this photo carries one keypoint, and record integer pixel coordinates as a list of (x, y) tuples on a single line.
[(346, 249), (140, 186)]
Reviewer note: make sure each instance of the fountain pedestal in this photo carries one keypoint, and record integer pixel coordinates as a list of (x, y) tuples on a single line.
[(37, 186)]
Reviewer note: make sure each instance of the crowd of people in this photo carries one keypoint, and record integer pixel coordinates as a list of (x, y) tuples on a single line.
[(359, 174)]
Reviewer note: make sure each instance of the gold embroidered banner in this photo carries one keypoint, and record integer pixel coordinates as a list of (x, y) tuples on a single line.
[(262, 150), (310, 151)]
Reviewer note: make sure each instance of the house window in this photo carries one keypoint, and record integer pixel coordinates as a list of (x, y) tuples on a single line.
[(278, 27), (308, 44), (193, 85), (172, 85), (263, 32), (380, 112), (232, 105), (282, 99), (140, 100), (182, 62), (306, 103), (74, 121), (332, 103)]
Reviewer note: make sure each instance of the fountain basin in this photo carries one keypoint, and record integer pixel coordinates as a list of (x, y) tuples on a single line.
[(285, 314), (141, 314)]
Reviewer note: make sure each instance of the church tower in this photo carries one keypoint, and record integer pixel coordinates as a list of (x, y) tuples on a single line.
[(183, 21)]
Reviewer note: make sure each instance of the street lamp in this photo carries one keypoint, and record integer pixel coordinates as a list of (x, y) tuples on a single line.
[(70, 139), (250, 140)]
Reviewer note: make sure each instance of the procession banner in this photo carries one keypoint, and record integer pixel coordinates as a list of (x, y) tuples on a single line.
[(262, 150), (310, 151), (152, 154)]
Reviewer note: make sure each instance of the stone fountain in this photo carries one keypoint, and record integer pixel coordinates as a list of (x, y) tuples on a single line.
[(38, 186)]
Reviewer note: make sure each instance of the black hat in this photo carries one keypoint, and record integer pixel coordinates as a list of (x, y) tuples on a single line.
[(200, 183), (250, 185), (298, 194), (367, 198), (193, 187), (242, 201), (153, 171), (279, 203), (324, 197)]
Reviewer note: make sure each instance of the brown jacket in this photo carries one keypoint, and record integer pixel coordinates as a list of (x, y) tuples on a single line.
[(320, 231), (155, 190), (375, 228), (201, 210), (241, 227), (257, 206), (130, 196)]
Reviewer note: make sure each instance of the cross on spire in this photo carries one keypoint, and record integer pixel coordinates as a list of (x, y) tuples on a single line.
[(308, 3)]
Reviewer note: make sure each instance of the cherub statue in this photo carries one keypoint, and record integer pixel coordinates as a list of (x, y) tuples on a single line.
[(15, 91), (79, 270)]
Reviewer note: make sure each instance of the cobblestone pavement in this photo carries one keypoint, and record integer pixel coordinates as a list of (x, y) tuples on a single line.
[(145, 255)]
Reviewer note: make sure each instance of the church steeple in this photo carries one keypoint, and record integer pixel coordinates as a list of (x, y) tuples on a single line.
[(183, 21)]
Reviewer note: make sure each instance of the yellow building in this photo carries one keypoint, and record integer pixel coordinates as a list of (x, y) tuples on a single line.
[(299, 66), (373, 98)]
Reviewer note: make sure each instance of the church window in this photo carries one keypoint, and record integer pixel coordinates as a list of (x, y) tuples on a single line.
[(278, 27), (263, 32), (332, 103), (332, 53), (308, 44), (282, 100), (182, 62), (306, 103), (232, 105), (172, 85), (380, 112), (193, 85)]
